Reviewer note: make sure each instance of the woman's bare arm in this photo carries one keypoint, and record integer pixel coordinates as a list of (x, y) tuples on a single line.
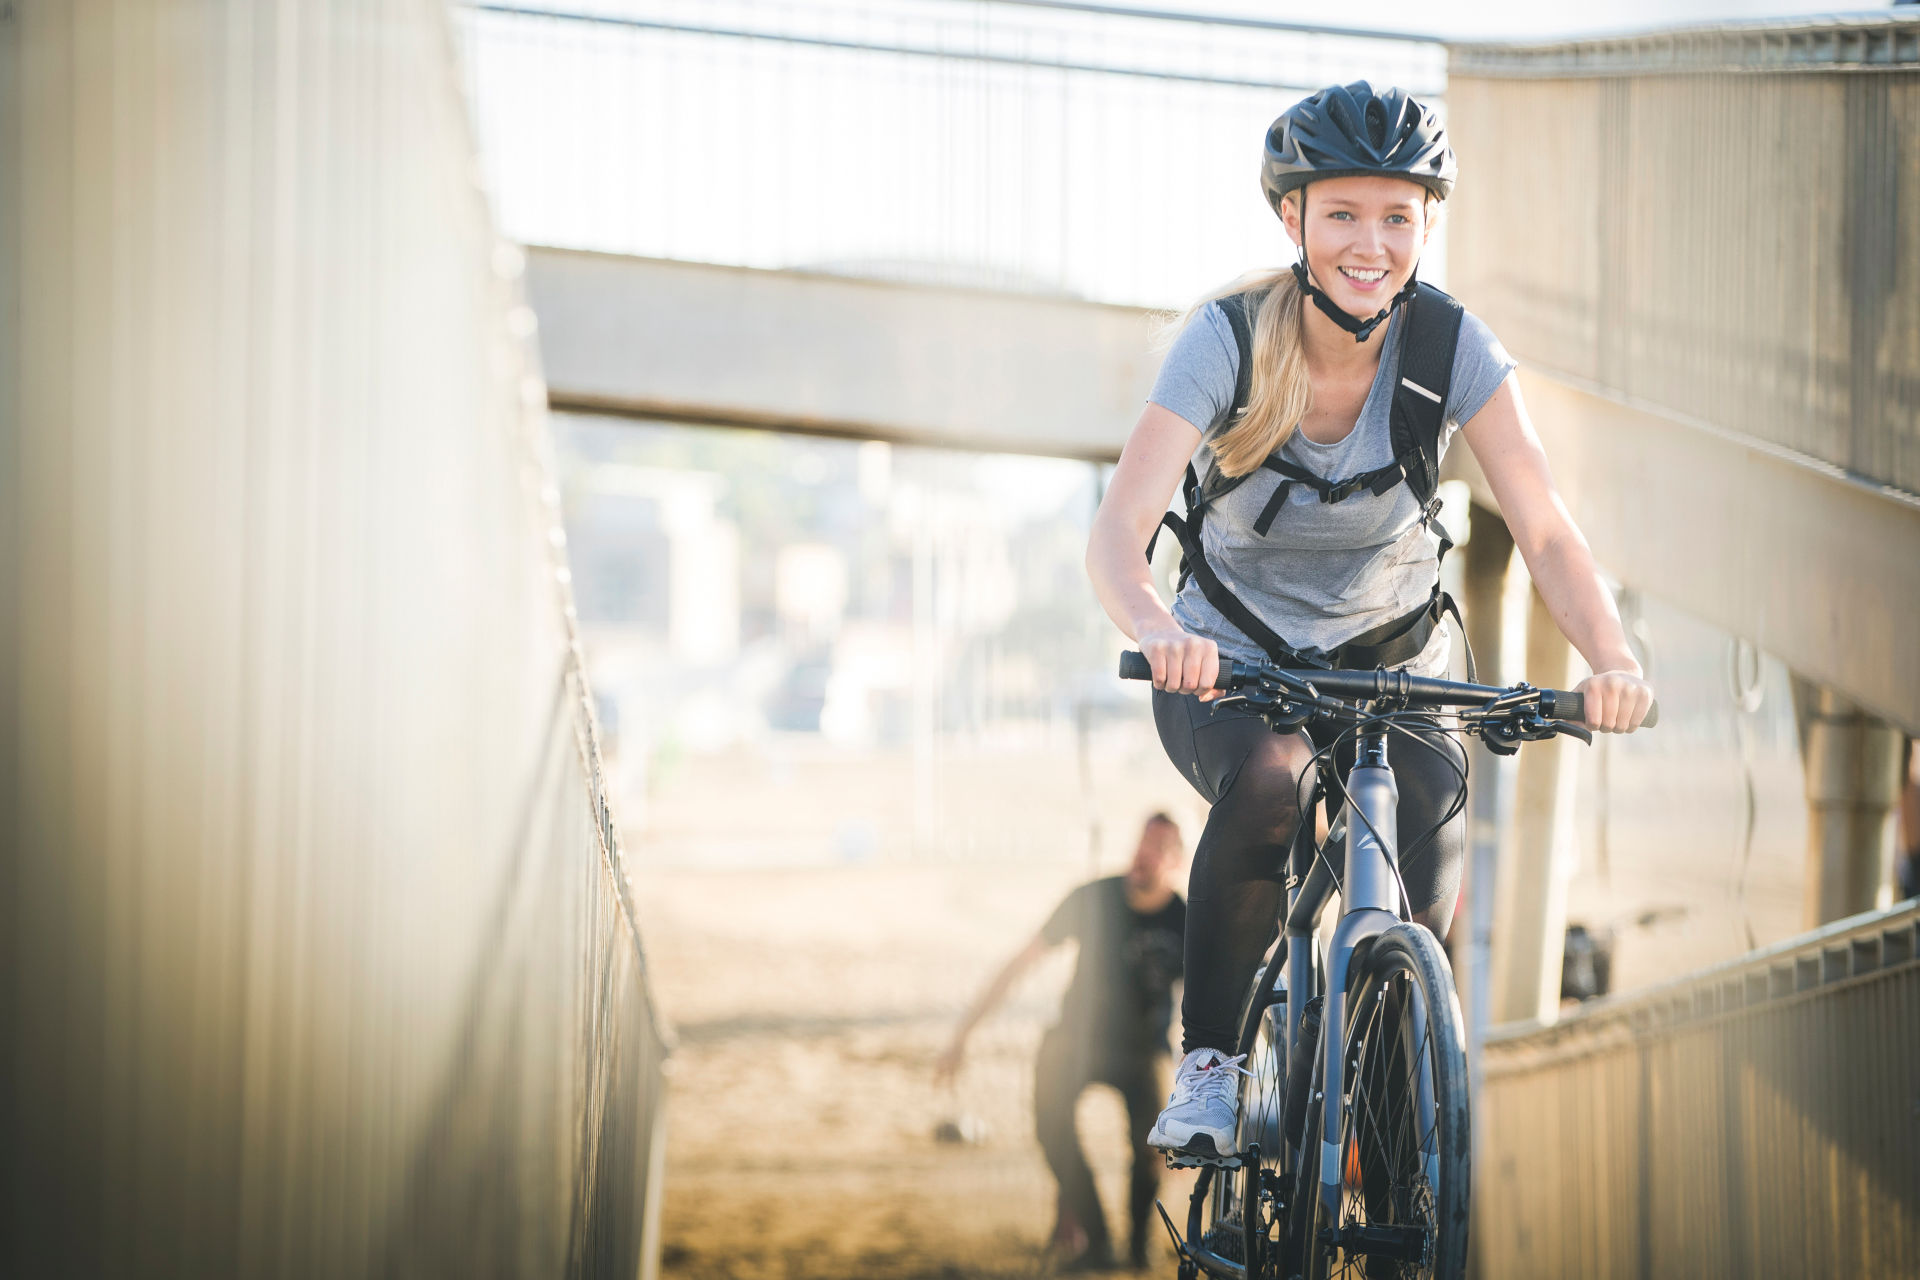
[(1509, 453), (1150, 469)]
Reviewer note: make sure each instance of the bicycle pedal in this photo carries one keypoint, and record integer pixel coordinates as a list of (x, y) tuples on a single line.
[(1198, 1160)]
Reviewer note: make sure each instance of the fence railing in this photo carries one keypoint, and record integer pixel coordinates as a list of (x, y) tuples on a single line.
[(1757, 1119), (1044, 148)]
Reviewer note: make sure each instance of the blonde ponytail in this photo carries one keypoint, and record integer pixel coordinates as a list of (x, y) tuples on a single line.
[(1280, 392)]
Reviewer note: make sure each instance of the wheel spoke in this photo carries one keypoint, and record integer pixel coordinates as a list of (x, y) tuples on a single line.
[(1408, 1099), (1387, 1052), (1404, 1081)]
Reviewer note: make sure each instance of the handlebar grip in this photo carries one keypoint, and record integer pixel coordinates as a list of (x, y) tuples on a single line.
[(1134, 666), (1561, 705)]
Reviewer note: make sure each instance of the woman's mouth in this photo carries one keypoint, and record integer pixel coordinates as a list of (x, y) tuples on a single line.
[(1365, 279)]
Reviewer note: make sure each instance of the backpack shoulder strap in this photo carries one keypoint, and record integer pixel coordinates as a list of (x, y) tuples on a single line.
[(1204, 488), (1426, 375), (1229, 605), (1236, 307)]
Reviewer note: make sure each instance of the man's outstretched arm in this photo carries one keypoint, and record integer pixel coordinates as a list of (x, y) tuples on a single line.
[(988, 1000)]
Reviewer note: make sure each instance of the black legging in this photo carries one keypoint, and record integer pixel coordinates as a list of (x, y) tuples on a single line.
[(1252, 776)]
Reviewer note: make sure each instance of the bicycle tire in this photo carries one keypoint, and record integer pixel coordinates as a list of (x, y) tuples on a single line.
[(1399, 1170), (1261, 1121)]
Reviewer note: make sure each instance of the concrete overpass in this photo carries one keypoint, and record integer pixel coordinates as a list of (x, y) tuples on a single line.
[(835, 355), (1815, 561)]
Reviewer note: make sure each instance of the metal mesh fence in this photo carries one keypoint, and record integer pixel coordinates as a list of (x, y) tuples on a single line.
[(319, 958)]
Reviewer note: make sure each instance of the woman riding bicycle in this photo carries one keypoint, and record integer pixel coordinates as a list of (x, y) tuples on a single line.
[(1318, 542)]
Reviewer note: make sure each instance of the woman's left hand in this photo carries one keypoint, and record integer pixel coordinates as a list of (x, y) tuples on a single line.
[(1617, 701)]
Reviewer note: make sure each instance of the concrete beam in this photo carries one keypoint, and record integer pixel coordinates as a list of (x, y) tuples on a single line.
[(873, 360), (1814, 567), (1788, 552)]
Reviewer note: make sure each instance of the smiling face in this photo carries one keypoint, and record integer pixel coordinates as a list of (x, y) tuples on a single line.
[(1363, 236)]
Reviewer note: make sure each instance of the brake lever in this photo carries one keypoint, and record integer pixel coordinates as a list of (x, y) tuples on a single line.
[(1536, 728), (1573, 729), (1272, 703)]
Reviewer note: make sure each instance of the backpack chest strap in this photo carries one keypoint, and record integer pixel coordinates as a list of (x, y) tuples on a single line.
[(1378, 481)]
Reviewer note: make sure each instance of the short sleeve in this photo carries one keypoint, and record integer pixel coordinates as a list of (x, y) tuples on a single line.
[(1197, 378), (1068, 919), (1480, 365)]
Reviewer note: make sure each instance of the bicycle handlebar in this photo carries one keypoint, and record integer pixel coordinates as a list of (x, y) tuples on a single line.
[(1555, 704)]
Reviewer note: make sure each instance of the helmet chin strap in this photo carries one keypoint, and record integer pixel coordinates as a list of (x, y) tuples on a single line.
[(1360, 329)]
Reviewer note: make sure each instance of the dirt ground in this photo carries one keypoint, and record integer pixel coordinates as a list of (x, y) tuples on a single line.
[(812, 978), (810, 1005)]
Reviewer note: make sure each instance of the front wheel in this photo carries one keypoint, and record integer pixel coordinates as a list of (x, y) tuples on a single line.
[(1405, 1148)]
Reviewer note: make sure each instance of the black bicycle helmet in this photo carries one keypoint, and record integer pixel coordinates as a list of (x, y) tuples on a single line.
[(1349, 129)]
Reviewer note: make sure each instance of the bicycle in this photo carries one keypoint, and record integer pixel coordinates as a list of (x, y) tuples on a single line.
[(1388, 1195)]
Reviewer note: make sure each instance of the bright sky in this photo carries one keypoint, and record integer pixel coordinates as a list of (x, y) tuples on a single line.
[(772, 153), (1510, 19)]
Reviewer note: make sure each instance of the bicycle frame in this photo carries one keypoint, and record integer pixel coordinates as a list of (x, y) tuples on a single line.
[(1369, 905)]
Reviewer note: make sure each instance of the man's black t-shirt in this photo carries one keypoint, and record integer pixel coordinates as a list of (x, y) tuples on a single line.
[(1121, 995)]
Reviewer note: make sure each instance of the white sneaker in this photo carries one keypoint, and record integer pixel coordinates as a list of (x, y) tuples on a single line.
[(1199, 1117)]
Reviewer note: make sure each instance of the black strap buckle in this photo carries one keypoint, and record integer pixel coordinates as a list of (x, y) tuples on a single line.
[(1317, 658)]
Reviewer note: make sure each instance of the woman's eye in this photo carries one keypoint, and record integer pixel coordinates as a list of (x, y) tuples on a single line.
[(1341, 213), (1397, 217)]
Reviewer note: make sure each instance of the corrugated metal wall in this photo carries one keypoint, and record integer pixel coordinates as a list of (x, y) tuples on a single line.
[(1736, 246), (1717, 229), (317, 954), (1754, 1121)]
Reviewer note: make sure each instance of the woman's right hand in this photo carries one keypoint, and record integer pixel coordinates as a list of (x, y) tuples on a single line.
[(1182, 663)]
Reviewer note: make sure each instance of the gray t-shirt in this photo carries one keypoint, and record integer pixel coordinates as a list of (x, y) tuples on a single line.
[(1325, 572)]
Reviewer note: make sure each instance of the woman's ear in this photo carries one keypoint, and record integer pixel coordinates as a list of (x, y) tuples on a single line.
[(1290, 216)]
